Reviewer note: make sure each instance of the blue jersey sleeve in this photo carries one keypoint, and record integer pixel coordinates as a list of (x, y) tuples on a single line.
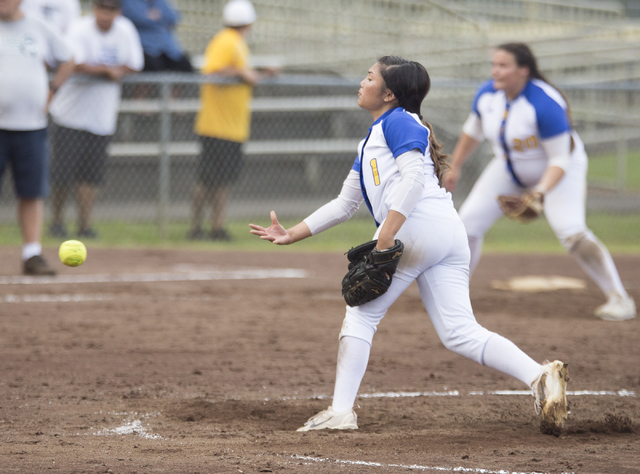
[(551, 116), (484, 88), (356, 164), (403, 133)]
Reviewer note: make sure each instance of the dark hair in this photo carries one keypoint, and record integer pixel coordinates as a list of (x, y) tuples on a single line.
[(525, 58), (111, 4), (410, 83)]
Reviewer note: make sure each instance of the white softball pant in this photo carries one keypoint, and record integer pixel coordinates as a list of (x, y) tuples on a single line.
[(436, 255), (564, 205)]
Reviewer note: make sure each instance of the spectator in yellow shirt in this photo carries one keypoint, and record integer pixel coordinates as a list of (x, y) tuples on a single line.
[(224, 119)]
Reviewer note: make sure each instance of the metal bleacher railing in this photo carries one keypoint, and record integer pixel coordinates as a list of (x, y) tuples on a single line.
[(305, 132)]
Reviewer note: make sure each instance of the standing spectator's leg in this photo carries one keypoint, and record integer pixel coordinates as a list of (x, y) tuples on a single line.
[(228, 165), (28, 154), (219, 200), (30, 215), (62, 177), (92, 164), (202, 190), (198, 201), (86, 198), (59, 196)]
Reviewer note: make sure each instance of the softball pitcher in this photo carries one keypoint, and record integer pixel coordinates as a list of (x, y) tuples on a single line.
[(397, 175), (526, 121)]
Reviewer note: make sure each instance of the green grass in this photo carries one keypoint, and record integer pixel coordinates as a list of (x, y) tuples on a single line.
[(603, 168), (621, 234), (146, 235)]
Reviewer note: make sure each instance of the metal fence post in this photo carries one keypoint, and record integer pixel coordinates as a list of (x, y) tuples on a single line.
[(165, 159), (622, 150)]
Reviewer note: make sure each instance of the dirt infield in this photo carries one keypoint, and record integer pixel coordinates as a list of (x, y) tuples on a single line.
[(172, 361)]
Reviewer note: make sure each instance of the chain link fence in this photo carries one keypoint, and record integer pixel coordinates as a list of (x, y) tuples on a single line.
[(304, 137)]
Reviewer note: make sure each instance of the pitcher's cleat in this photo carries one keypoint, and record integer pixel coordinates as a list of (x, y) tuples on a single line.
[(550, 392), (617, 308), (329, 419)]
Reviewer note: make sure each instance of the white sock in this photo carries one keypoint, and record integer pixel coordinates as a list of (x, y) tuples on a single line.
[(503, 355), (596, 261), (30, 250), (353, 357)]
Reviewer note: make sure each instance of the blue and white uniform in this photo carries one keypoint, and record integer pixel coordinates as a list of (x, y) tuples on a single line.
[(394, 171), (528, 134)]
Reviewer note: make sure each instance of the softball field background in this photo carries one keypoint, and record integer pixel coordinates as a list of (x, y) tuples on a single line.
[(145, 361)]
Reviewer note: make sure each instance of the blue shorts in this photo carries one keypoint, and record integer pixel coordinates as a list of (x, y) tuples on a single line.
[(26, 152)]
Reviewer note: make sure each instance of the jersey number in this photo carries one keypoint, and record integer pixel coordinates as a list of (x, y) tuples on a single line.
[(374, 168), (531, 142)]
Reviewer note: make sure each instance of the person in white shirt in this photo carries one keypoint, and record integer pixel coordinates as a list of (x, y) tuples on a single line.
[(59, 14), (85, 110), (536, 151), (27, 46), (397, 174)]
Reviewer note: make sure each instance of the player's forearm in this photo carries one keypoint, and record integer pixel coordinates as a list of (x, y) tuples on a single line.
[(463, 150), (92, 70), (549, 180), (299, 232), (63, 72), (390, 227)]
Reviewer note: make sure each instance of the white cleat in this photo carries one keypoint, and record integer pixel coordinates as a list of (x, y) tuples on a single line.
[(329, 419), (550, 392), (617, 308)]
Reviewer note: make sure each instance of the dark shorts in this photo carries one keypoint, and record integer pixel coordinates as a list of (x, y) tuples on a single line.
[(220, 162), (165, 63), (26, 152), (77, 156)]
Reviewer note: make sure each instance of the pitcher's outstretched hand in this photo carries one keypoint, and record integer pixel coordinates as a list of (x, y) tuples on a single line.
[(274, 233)]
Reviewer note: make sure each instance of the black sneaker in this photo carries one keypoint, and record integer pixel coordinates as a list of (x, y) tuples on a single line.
[(38, 266), (58, 230), (196, 234), (88, 233), (220, 234)]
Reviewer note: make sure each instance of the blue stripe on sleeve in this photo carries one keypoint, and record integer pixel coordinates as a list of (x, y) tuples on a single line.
[(403, 133), (484, 88), (356, 164), (552, 118)]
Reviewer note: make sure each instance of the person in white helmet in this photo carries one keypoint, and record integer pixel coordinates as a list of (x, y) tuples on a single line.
[(223, 121)]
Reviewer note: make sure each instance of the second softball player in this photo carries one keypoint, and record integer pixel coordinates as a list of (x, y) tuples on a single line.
[(536, 150)]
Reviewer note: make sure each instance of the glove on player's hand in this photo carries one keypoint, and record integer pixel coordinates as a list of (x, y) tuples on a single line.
[(523, 208), (370, 272)]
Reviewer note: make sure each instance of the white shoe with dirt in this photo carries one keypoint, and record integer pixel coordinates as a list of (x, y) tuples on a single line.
[(617, 308), (550, 392), (329, 419)]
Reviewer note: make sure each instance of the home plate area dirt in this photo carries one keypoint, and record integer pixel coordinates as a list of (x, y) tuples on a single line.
[(207, 362)]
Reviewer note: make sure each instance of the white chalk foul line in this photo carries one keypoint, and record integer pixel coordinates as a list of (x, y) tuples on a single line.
[(54, 298), (242, 274), (456, 393), (412, 467)]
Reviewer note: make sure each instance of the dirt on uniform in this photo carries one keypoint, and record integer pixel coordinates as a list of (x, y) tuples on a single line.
[(172, 361)]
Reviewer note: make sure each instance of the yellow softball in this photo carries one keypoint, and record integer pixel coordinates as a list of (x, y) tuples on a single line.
[(72, 253)]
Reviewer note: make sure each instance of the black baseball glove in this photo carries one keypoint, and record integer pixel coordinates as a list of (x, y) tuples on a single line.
[(370, 272)]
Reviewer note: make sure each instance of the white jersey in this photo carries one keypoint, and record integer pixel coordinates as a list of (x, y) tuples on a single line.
[(394, 133), (57, 13), (516, 129), (25, 46), (88, 103)]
